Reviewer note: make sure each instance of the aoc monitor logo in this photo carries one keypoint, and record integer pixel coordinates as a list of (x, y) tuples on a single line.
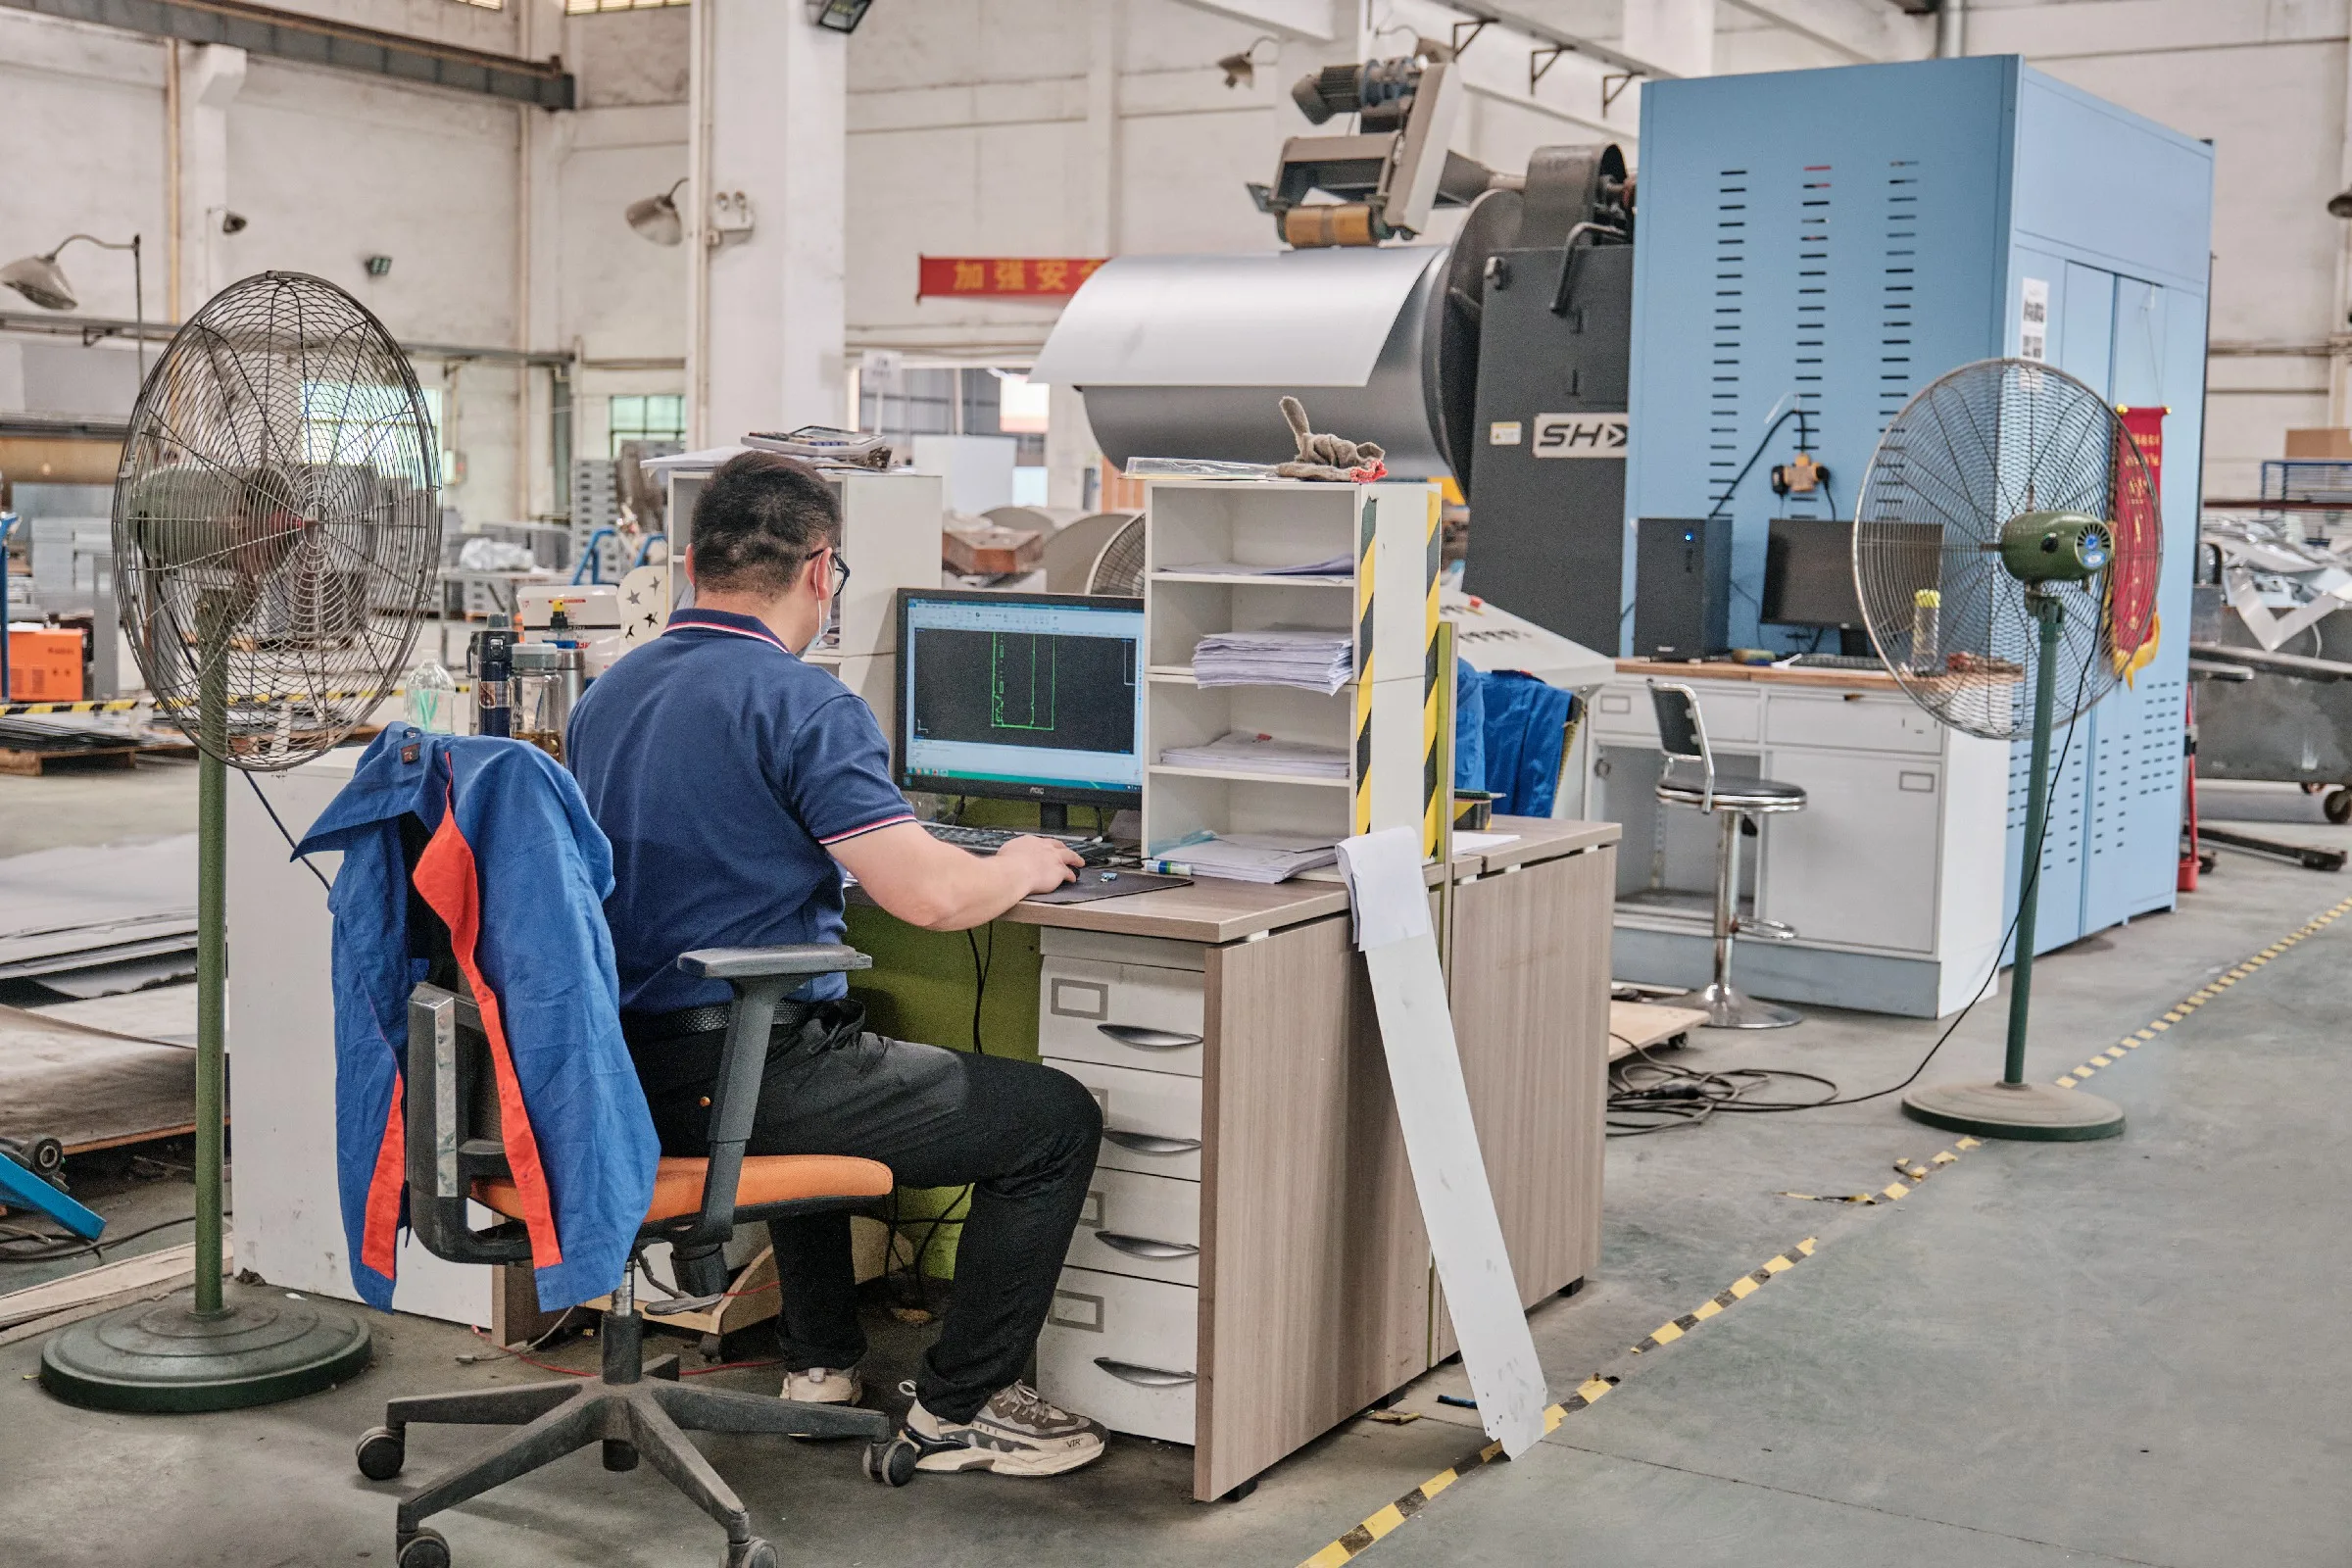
[(1580, 435)]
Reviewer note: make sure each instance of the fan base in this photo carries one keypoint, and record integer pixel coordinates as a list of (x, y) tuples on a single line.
[(2035, 1112), (265, 1346), (1729, 1007)]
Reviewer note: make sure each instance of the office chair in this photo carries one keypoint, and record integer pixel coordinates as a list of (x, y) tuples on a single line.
[(454, 1154), (1683, 737)]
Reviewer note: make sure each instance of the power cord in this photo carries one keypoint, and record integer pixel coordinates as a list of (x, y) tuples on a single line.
[(288, 837), (1714, 1092)]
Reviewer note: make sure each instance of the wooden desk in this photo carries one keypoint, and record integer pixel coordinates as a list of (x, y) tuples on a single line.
[(1259, 1129)]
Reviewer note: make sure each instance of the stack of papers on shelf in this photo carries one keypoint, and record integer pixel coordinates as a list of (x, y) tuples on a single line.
[(1253, 856), (1314, 660), (1237, 750), (1333, 566)]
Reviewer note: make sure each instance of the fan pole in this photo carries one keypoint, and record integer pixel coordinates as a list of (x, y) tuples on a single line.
[(211, 970), (2050, 614), (208, 1349), (2014, 1107)]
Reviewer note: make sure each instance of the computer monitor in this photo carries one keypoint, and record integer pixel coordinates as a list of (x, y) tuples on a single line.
[(1020, 695), (1809, 573)]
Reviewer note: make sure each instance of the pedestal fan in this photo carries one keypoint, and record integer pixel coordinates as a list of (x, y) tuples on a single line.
[(276, 527), (2007, 538)]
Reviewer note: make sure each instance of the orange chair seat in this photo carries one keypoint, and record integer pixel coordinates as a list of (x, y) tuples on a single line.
[(765, 1179)]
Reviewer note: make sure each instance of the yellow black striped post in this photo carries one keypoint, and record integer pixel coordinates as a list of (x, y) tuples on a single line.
[(1436, 791)]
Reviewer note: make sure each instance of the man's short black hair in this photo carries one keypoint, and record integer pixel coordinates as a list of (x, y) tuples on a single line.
[(759, 520)]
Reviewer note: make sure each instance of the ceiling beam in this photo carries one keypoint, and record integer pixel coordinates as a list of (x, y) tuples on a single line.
[(1296, 18), (1864, 31)]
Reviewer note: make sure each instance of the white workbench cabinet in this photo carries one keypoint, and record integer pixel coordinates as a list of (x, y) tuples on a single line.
[(1892, 875)]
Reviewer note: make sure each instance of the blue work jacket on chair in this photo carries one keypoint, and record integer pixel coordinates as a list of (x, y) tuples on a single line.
[(519, 872)]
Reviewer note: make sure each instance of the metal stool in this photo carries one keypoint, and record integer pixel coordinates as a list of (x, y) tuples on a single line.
[(1684, 739)]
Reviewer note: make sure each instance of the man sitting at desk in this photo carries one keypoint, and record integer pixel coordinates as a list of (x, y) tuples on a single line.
[(730, 777)]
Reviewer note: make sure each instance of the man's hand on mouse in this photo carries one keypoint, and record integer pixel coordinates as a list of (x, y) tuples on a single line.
[(1046, 864)]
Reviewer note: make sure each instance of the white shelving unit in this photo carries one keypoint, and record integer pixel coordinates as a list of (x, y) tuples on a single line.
[(1375, 719)]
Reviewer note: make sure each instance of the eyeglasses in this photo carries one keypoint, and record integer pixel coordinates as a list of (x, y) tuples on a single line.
[(841, 574)]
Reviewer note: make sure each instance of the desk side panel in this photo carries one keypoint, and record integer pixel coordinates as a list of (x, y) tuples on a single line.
[(1531, 1014), (1315, 1276)]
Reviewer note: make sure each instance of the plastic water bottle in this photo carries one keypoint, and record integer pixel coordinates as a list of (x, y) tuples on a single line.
[(1926, 632), (432, 700)]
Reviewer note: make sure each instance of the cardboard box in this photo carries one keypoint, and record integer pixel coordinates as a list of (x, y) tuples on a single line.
[(990, 551), (2320, 446), (44, 665)]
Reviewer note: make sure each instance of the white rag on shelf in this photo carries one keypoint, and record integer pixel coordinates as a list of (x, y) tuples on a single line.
[(1238, 750), (1279, 655)]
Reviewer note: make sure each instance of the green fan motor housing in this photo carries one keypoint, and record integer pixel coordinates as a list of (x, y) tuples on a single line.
[(2056, 546)]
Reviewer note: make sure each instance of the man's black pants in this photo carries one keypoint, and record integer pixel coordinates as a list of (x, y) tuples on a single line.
[(1022, 1135)]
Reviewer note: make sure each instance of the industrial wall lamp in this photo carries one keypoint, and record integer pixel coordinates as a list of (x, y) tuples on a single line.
[(41, 280)]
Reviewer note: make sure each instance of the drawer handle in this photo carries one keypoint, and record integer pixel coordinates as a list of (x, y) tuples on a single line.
[(1150, 1143), (1142, 1038), (1149, 1377), (1146, 1247)]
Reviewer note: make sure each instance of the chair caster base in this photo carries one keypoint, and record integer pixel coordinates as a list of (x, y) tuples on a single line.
[(381, 1453), (1729, 1007), (426, 1548), (892, 1462), (752, 1553)]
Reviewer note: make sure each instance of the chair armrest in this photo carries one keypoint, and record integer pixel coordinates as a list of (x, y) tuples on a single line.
[(759, 977), (801, 959)]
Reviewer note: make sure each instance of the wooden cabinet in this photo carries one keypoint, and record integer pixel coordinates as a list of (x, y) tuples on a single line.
[(1311, 1295)]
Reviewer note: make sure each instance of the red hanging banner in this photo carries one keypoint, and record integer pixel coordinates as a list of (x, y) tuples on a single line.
[(2132, 624), (1003, 276)]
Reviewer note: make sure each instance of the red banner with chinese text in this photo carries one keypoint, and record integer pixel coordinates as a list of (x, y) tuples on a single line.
[(2131, 584), (1003, 276)]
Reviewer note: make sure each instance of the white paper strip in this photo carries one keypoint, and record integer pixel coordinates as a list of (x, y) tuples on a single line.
[(1440, 1139)]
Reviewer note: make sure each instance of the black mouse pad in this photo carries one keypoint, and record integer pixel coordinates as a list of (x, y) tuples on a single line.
[(1093, 883)]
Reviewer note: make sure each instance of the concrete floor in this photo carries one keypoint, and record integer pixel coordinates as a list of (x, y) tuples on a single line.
[(2097, 1352)]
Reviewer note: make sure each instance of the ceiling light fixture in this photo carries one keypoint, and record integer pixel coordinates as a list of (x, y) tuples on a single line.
[(1241, 70), (657, 217)]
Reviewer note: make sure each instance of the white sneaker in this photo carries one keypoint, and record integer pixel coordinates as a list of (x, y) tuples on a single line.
[(1018, 1433), (822, 1385)]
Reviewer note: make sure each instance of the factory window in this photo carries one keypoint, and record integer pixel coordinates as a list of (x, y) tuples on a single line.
[(654, 418), (582, 8), (346, 421)]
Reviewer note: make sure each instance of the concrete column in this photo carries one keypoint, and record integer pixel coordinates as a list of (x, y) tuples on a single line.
[(764, 218), (1678, 34), (2338, 333), (211, 75)]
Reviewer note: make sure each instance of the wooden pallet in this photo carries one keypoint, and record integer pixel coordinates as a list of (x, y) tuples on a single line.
[(1644, 1026), (32, 762)]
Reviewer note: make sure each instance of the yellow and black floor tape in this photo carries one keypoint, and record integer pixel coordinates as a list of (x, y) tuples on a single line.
[(1380, 1523)]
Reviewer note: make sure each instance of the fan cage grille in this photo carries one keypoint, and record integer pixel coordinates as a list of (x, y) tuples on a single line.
[(277, 521), (1969, 452)]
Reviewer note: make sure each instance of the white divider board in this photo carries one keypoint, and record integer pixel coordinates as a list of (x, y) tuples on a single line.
[(1441, 1140)]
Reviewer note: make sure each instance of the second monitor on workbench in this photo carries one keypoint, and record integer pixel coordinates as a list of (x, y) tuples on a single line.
[(1034, 697)]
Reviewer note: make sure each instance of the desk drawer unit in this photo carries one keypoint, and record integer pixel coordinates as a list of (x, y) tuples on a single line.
[(1145, 1226), (1730, 709), (1151, 1120), (1850, 723), (1120, 1014), (1122, 1350)]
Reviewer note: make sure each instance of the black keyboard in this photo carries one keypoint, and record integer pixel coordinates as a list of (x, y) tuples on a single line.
[(989, 840), (1835, 661)]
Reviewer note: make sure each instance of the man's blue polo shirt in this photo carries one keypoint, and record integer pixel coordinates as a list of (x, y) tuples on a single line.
[(722, 767)]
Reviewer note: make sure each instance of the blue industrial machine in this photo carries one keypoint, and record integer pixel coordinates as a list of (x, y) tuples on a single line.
[(1818, 245)]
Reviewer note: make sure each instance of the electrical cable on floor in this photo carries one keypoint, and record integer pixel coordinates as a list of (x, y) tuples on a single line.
[(288, 837), (74, 1246), (1700, 1094)]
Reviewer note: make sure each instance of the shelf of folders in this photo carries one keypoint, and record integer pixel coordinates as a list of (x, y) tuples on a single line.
[(1288, 631)]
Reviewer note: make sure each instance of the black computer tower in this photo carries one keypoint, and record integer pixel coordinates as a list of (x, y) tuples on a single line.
[(1682, 587)]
